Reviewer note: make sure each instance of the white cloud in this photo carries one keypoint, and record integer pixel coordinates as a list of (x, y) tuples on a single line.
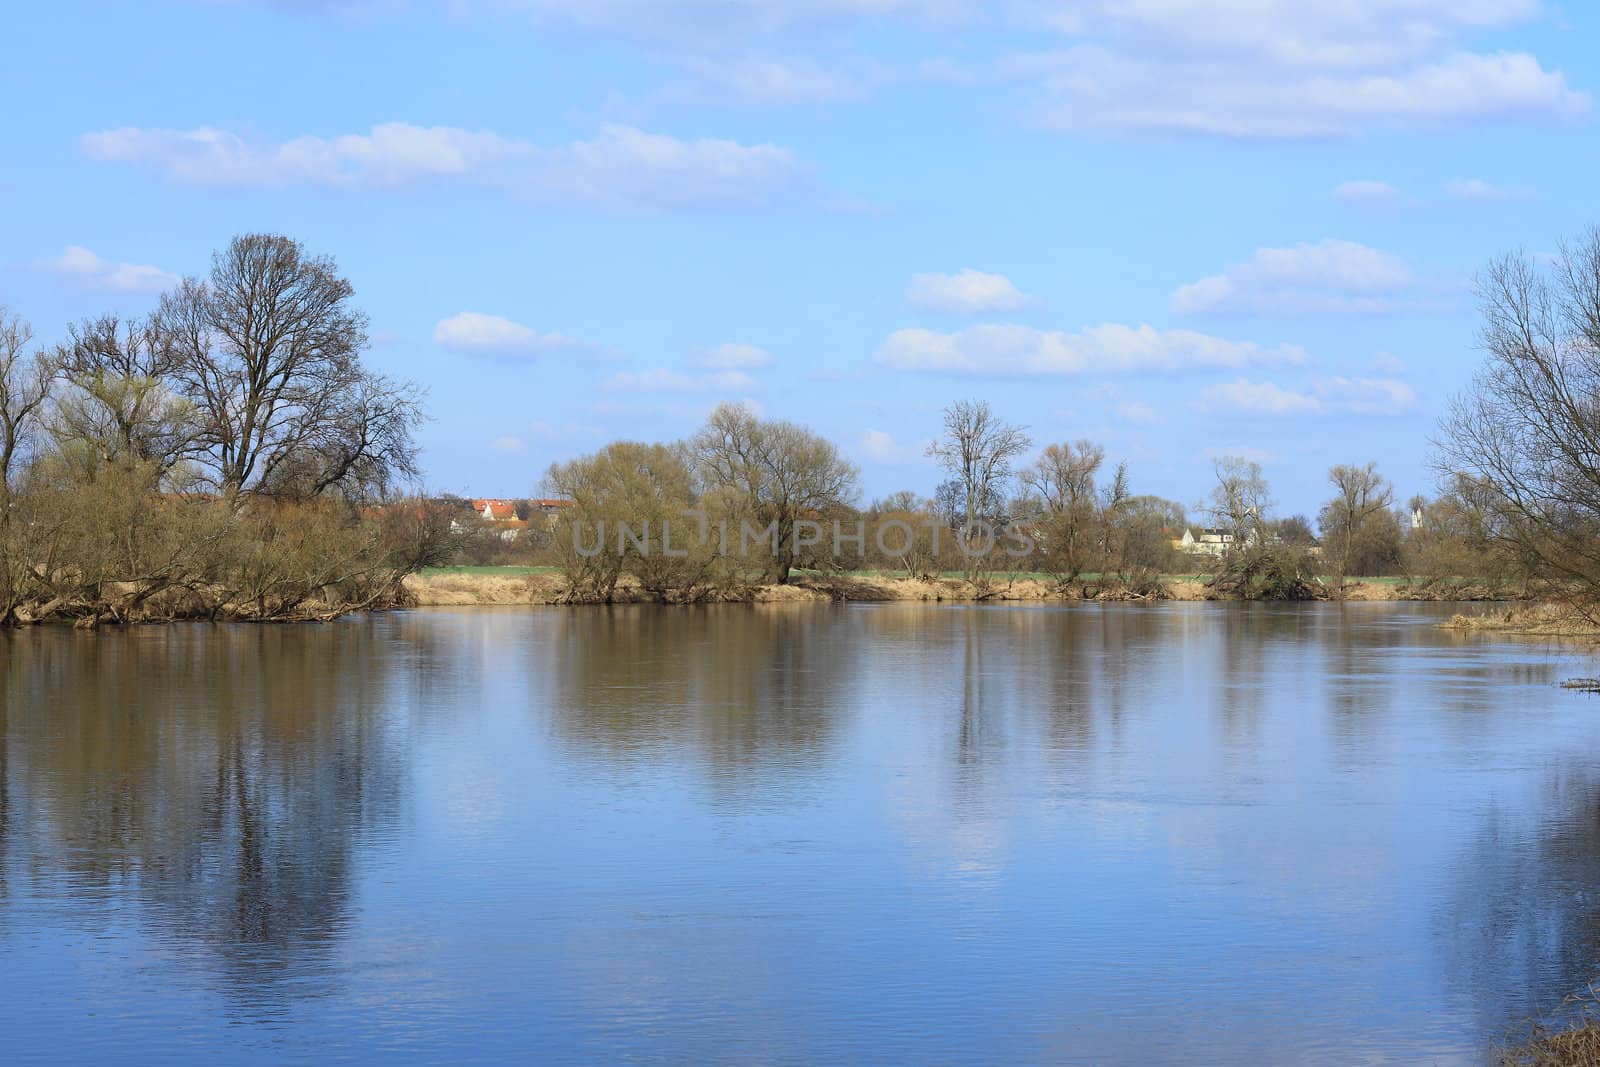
[(1366, 396), (966, 293), (1137, 411), (1366, 192), (1354, 34), (707, 22), (1235, 68), (1008, 350), (507, 444), (1354, 396), (1326, 277), (731, 357), (1092, 87), (768, 80), (621, 168), (85, 268), (1254, 455), (1262, 398), (664, 380), (881, 446), (942, 71), (1387, 363), (475, 332), (1477, 189)]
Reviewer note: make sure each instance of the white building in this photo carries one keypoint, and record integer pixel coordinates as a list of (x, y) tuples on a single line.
[(1210, 541)]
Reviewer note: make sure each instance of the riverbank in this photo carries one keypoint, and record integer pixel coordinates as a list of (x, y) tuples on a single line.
[(1542, 619), (1576, 1047), (463, 587)]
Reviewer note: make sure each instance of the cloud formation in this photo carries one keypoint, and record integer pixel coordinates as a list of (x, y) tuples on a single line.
[(1282, 69), (881, 447), (1230, 68), (1094, 88), (82, 267), (665, 380), (1136, 411), (968, 292), (1477, 189), (621, 168), (731, 357), (491, 335), (1369, 193), (1326, 277), (1111, 348), (1352, 396), (776, 80)]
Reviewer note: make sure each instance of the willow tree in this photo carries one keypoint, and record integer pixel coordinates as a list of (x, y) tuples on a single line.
[(630, 515), (773, 474), (118, 402), (1527, 430)]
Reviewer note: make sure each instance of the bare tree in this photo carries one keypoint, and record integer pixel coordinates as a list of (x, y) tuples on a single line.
[(1527, 432), (1114, 500), (24, 388), (778, 472), (978, 450), (267, 350), (1361, 495), (1062, 480), (1240, 500)]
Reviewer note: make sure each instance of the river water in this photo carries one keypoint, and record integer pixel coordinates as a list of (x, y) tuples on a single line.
[(1214, 833)]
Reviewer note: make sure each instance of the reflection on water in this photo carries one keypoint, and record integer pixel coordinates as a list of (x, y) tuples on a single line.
[(218, 781), (1217, 833)]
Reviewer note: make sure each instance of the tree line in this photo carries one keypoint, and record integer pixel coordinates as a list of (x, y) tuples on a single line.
[(747, 500), (1517, 511), (227, 456), (231, 456)]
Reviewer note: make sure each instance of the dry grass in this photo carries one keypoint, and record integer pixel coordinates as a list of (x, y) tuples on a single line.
[(1543, 619), (1575, 1047), (459, 590), (465, 587)]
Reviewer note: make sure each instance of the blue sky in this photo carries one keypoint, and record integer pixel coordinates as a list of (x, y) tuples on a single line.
[(1181, 228)]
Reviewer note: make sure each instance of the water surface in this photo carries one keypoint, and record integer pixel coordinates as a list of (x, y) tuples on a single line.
[(795, 834)]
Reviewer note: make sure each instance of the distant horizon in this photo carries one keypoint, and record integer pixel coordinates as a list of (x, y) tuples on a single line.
[(576, 225)]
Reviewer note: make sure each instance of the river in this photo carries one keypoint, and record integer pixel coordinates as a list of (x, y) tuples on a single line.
[(898, 833)]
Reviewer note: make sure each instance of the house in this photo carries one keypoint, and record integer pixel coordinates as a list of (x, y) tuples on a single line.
[(1210, 541), (504, 515), (495, 510)]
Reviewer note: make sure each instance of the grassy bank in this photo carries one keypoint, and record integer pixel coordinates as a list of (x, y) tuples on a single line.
[(1542, 619), (1578, 1046), (465, 586)]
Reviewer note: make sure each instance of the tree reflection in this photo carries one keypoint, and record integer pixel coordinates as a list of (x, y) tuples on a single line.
[(743, 686), (229, 774), (1522, 927)]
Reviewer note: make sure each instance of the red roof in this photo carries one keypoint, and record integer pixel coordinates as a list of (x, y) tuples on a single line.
[(498, 510)]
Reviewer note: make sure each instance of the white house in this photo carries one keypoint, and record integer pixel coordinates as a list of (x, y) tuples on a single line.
[(1210, 541)]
